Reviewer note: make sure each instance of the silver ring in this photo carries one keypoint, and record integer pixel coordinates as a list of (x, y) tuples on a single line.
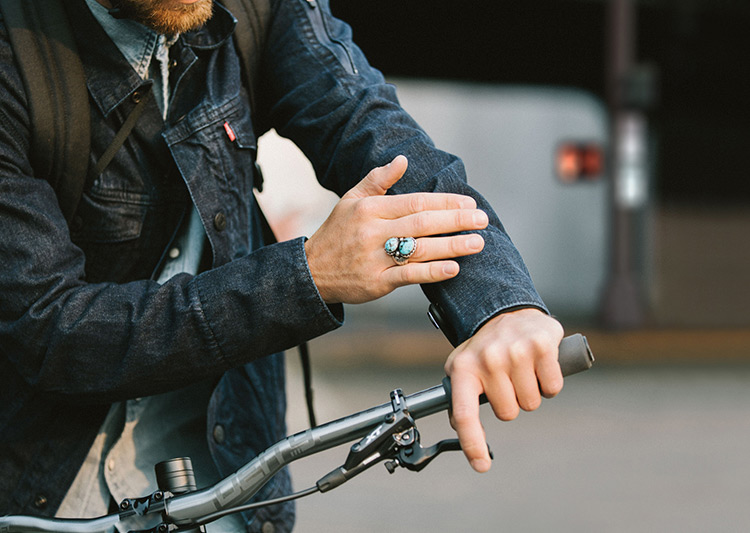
[(400, 248)]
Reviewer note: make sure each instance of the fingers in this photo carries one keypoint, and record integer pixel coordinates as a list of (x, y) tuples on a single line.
[(512, 359), (379, 180), (501, 394), (435, 248), (439, 222), (413, 273), (401, 205), (465, 420), (431, 262), (549, 374)]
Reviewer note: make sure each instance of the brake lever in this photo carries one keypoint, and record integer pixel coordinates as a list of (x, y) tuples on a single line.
[(416, 458)]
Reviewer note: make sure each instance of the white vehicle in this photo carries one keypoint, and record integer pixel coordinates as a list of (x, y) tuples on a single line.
[(536, 153)]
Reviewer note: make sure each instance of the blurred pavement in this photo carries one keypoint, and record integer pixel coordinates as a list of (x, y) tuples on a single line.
[(637, 443)]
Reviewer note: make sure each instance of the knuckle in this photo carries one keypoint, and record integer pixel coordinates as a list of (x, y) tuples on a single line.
[(457, 246), (409, 274), (493, 360), (435, 273), (465, 219), (519, 353), (461, 219), (547, 340), (461, 414), (461, 365), (363, 209), (422, 223), (417, 203), (364, 233)]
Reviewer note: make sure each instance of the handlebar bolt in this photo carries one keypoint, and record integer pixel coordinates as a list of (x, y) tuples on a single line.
[(162, 528), (124, 505), (390, 418), (158, 495)]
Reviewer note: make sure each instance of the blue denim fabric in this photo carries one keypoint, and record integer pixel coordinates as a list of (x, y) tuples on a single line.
[(82, 323)]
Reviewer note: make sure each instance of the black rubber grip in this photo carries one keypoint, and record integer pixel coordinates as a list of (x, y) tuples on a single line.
[(574, 356)]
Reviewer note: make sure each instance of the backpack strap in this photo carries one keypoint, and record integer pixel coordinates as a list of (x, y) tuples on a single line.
[(58, 102)]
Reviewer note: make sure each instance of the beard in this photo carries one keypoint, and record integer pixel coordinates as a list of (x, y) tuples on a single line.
[(166, 16)]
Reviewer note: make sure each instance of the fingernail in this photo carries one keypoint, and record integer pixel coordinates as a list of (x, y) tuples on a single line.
[(475, 242), (451, 269), (480, 218), (480, 465), (468, 203)]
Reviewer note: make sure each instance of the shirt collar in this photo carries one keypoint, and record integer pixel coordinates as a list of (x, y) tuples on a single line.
[(109, 77), (136, 42)]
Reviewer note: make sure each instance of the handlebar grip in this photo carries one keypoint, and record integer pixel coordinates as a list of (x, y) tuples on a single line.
[(574, 356)]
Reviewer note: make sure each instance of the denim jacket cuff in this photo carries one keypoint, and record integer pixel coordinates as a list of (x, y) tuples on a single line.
[(265, 302)]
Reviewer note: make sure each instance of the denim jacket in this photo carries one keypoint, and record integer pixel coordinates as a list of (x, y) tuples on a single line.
[(83, 323)]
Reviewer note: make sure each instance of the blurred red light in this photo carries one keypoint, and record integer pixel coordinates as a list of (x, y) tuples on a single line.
[(579, 162)]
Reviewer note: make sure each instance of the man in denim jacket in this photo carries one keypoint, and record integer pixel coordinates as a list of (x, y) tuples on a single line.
[(98, 314)]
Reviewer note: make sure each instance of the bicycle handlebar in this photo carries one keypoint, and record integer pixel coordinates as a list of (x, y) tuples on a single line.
[(188, 509)]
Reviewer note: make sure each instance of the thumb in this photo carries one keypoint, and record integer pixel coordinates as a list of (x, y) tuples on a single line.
[(380, 179)]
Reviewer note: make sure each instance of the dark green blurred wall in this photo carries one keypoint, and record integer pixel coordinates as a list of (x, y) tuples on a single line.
[(701, 121)]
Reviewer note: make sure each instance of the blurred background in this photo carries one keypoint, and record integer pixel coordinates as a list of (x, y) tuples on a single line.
[(612, 138)]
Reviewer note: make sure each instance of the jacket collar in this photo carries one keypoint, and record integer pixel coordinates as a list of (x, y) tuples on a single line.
[(109, 76)]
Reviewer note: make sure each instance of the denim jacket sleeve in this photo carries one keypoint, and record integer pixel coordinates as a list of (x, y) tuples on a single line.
[(108, 341), (347, 120)]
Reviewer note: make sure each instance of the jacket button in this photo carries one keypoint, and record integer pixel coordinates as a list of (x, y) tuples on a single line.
[(40, 502), (220, 221), (218, 434), (268, 527)]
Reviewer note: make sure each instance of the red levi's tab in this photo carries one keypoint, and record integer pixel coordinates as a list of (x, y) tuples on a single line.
[(230, 132)]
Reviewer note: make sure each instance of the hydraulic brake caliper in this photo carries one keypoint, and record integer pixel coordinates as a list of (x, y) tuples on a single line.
[(395, 440)]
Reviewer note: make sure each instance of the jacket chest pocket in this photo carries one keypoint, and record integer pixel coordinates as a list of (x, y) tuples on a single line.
[(123, 235), (240, 149), (108, 218)]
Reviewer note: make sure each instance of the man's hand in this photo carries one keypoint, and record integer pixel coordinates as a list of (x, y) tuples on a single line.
[(346, 256), (513, 360)]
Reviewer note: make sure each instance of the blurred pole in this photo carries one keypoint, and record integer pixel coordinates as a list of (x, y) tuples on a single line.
[(623, 303)]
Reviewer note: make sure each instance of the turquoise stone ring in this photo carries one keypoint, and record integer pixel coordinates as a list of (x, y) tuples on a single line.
[(401, 248), (391, 245)]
